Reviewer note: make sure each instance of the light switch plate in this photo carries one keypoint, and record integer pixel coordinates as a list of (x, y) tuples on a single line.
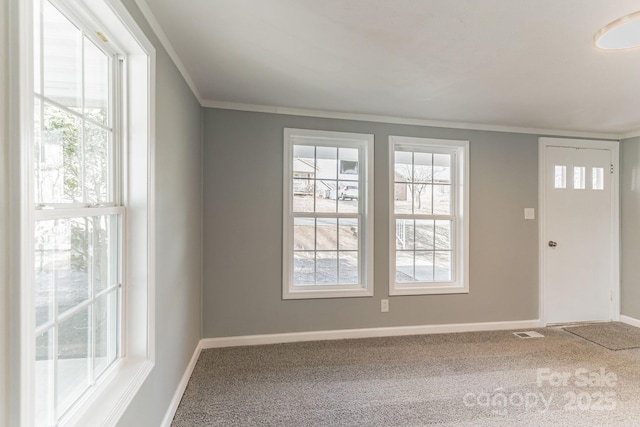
[(529, 213)]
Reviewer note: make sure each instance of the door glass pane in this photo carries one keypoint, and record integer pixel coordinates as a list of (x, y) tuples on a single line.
[(73, 359), (597, 182), (579, 178), (560, 176), (62, 48)]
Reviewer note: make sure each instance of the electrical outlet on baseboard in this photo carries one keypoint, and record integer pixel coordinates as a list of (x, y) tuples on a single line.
[(384, 305)]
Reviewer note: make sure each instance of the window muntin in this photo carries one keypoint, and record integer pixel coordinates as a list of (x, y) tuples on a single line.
[(78, 212), (327, 214), (428, 220)]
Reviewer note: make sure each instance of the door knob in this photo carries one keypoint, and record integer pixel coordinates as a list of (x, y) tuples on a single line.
[(552, 244)]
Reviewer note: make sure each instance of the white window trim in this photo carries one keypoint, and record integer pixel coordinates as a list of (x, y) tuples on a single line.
[(107, 401), (365, 289), (461, 206)]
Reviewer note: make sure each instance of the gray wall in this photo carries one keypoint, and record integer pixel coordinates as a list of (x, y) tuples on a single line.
[(178, 236), (630, 225), (243, 231), (4, 177)]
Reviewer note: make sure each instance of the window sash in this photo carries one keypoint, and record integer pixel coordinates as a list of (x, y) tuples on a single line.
[(456, 282), (294, 137)]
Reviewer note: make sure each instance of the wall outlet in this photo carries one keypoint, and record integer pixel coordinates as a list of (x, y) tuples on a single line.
[(529, 213), (384, 305)]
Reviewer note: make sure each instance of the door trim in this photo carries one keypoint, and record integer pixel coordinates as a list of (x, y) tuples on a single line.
[(614, 283)]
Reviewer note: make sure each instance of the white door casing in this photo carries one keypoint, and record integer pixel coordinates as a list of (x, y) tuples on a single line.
[(579, 277)]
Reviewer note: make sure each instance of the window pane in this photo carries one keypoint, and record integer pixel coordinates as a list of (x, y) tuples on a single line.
[(424, 266), (106, 331), (96, 165), (348, 165), (44, 379), (73, 359), (422, 167), (46, 266), (103, 240), (405, 234), (403, 199), (96, 83), (424, 234), (304, 234), (62, 59), (422, 199), (403, 166), (327, 163), (60, 158), (579, 178), (443, 266), (348, 234), (443, 234), (348, 267), (326, 199), (326, 268), (442, 200), (303, 195), (348, 195), (560, 176), (442, 168), (304, 268), (404, 267), (597, 182), (72, 277), (326, 234)]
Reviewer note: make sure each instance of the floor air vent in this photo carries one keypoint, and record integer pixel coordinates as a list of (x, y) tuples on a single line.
[(529, 334)]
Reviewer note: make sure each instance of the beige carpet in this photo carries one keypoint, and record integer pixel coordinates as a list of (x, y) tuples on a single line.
[(468, 379), (613, 335)]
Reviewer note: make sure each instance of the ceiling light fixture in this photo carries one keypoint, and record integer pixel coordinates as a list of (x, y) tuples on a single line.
[(623, 33)]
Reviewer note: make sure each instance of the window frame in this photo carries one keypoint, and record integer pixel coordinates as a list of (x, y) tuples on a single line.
[(460, 213), (105, 403), (365, 144)]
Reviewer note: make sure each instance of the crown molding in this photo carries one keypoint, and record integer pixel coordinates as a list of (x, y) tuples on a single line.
[(404, 121), (164, 40)]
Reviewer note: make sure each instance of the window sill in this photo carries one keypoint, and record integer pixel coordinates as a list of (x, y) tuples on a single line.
[(326, 293), (433, 289), (104, 405)]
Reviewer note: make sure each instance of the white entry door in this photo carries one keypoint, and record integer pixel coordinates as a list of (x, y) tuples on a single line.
[(578, 235)]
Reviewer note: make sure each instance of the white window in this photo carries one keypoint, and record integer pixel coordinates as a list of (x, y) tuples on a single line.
[(429, 219), (82, 242), (328, 214)]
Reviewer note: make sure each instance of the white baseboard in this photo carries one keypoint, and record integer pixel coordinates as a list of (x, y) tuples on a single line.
[(630, 321), (365, 333), (182, 385)]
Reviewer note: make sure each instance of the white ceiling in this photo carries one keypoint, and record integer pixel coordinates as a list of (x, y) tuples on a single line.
[(514, 63)]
